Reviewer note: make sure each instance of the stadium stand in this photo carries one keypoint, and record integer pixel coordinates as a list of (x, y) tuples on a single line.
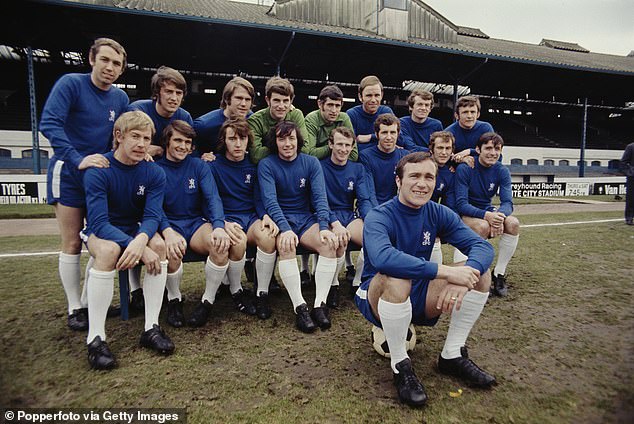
[(257, 41)]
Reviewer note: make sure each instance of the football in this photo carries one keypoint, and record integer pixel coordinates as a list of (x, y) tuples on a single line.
[(380, 344)]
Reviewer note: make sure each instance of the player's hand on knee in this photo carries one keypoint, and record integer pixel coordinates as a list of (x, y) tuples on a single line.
[(329, 238), (451, 295), (341, 232), (268, 223), (133, 253), (94, 161), (460, 275), (175, 244), (288, 241), (220, 240), (496, 231), (152, 261), (234, 230)]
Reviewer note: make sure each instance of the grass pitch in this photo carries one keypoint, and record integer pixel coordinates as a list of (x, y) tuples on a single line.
[(561, 346)]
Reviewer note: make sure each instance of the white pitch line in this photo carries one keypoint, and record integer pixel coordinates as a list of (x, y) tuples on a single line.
[(554, 224), (16, 255)]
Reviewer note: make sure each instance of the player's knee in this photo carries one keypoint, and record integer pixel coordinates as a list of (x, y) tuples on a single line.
[(236, 252), (327, 251), (484, 282), (512, 225), (482, 228), (218, 257), (157, 244), (265, 243), (392, 289), (72, 246), (286, 252), (107, 251), (173, 265)]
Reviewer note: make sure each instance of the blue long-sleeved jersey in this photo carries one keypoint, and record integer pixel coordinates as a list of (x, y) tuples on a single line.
[(346, 183), (78, 117), (381, 168), (121, 196), (418, 133), (190, 192), (444, 193), (467, 139), (474, 189), (238, 186), (398, 240), (149, 107), (295, 186), (363, 123)]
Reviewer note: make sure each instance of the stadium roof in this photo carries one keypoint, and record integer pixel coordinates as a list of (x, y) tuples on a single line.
[(471, 41), (231, 37)]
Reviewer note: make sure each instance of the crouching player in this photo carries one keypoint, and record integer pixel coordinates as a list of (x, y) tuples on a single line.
[(400, 285), (346, 181), (194, 216), (236, 177), (124, 210), (291, 183), (475, 187)]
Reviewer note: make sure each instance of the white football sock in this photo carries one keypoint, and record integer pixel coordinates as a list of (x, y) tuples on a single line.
[(264, 268), (436, 253), (173, 284), (315, 261), (458, 256), (100, 289), (324, 274), (335, 278), (462, 321), (213, 278), (506, 249), (153, 289), (234, 274), (289, 273), (84, 290), (69, 273), (395, 319), (134, 278), (358, 269)]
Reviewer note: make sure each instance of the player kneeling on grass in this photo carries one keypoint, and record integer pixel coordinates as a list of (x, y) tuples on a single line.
[(292, 186), (474, 189), (401, 286), (236, 177), (124, 210), (194, 216)]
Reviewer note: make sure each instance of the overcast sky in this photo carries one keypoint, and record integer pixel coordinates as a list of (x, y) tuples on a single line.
[(601, 26)]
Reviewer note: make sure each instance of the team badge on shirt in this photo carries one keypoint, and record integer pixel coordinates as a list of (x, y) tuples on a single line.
[(141, 191), (192, 184), (491, 186), (350, 185), (113, 115), (426, 238), (441, 186), (302, 182), (247, 179)]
